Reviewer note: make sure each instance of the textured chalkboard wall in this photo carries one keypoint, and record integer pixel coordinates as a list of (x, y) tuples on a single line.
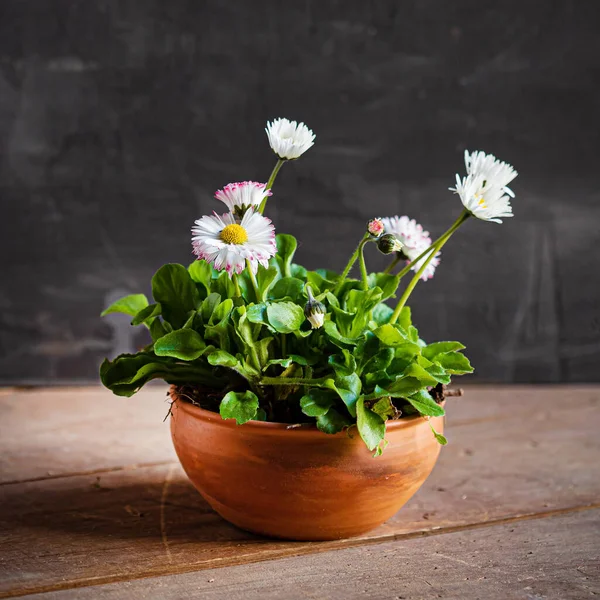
[(118, 120)]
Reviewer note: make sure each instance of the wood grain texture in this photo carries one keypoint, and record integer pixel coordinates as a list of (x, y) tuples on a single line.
[(557, 557), (55, 432), (117, 125), (514, 453)]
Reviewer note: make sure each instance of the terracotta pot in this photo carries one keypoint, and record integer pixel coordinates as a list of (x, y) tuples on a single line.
[(300, 483)]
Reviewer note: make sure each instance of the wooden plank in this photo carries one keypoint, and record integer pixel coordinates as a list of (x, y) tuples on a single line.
[(530, 451), (53, 432), (555, 557), (56, 432)]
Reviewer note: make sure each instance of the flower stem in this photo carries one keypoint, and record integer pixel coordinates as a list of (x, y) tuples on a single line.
[(396, 260), (430, 252), (292, 381), (236, 283), (253, 280), (270, 183), (363, 266), (349, 265)]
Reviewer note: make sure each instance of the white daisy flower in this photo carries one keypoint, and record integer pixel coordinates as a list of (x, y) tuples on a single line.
[(484, 192), (498, 173), (415, 240), (225, 243), (239, 197), (289, 139)]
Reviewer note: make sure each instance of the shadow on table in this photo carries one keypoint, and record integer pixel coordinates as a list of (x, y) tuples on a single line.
[(157, 503)]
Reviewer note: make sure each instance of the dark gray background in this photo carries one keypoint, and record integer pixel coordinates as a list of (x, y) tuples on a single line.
[(118, 120)]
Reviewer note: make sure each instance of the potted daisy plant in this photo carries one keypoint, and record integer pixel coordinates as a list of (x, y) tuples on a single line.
[(305, 405)]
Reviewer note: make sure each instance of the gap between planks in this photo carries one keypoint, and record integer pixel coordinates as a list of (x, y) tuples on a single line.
[(309, 548), (98, 471)]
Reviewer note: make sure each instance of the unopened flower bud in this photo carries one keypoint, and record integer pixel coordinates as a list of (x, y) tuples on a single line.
[(389, 243), (375, 227), (315, 311)]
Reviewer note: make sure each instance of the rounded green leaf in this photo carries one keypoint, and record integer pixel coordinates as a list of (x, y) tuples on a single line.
[(425, 404), (184, 344), (220, 358), (239, 406), (174, 289), (317, 402), (285, 317), (129, 305), (371, 426)]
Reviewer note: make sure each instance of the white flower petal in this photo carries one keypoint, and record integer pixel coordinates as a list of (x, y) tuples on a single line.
[(289, 139)]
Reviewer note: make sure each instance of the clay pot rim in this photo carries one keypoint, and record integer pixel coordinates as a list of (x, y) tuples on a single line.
[(269, 427)]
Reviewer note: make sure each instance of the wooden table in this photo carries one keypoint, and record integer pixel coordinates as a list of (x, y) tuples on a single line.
[(95, 505)]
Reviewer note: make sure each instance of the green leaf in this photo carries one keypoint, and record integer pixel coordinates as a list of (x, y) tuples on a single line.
[(332, 422), (239, 406), (343, 364), (390, 335), (418, 372), (425, 404), (287, 287), (403, 387), (285, 317), (157, 329), (221, 312), (438, 436), (223, 285), (147, 314), (336, 337), (286, 247), (220, 358), (405, 320), (261, 415), (382, 314), (413, 334), (127, 373), (388, 283), (262, 349), (454, 363), (318, 282), (317, 402), (384, 408), (129, 305), (264, 280), (218, 328), (257, 313), (201, 272), (371, 426), (379, 362), (348, 389), (298, 271), (436, 348), (438, 373), (184, 344), (208, 306), (174, 289)]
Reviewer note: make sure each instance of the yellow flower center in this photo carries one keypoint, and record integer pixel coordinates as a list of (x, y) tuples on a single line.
[(234, 234), (481, 202)]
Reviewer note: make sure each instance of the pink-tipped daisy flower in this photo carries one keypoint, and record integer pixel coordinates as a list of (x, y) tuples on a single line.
[(227, 244), (239, 197), (415, 240)]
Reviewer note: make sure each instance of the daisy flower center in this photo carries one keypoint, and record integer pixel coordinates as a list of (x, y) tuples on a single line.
[(234, 234)]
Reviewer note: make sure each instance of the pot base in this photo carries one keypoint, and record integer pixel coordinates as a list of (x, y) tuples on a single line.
[(301, 484)]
